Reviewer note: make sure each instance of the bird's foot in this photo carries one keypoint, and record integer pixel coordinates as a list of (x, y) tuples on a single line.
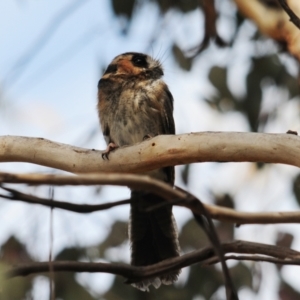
[(110, 147), (147, 137)]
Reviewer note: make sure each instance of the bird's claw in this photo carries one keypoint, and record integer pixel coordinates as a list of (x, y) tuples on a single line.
[(147, 137), (110, 147)]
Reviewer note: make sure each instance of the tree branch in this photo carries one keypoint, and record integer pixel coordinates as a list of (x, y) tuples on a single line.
[(281, 261), (274, 23), (293, 17), (160, 151), (210, 29), (148, 184), (166, 150), (205, 222), (79, 208), (135, 274)]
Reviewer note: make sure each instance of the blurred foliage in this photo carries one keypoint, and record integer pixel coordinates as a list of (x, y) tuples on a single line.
[(225, 230), (123, 7), (204, 281), (182, 5), (284, 239), (266, 67), (66, 287), (185, 173), (184, 61), (286, 292), (224, 200), (200, 281), (192, 237), (296, 188), (14, 252), (242, 276), (117, 236), (224, 100)]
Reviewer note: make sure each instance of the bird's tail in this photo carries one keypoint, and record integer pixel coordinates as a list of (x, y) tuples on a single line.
[(153, 236)]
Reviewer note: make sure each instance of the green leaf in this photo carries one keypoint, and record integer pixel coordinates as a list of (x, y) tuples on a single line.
[(296, 188), (241, 276), (192, 236), (183, 61), (117, 236), (224, 100)]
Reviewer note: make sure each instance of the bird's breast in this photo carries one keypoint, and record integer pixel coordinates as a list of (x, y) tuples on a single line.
[(136, 114)]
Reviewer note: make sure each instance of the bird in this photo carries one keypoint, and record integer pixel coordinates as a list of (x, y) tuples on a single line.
[(135, 104)]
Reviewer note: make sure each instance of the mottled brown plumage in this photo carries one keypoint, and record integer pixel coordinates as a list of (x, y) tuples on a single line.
[(134, 104)]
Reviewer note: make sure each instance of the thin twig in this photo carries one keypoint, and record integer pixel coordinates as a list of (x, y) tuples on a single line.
[(210, 29), (51, 237), (79, 208), (293, 17), (205, 221), (142, 182), (279, 261)]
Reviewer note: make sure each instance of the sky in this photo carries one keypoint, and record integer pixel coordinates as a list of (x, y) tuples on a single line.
[(51, 57)]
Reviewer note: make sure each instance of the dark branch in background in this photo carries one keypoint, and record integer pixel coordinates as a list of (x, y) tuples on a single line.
[(210, 29), (205, 222), (278, 261), (293, 17), (52, 275), (79, 208), (174, 196), (182, 198), (134, 274)]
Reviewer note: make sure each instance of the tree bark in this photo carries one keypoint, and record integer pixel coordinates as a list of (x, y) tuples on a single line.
[(158, 152)]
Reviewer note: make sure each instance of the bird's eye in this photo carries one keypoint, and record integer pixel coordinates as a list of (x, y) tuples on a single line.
[(139, 60)]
